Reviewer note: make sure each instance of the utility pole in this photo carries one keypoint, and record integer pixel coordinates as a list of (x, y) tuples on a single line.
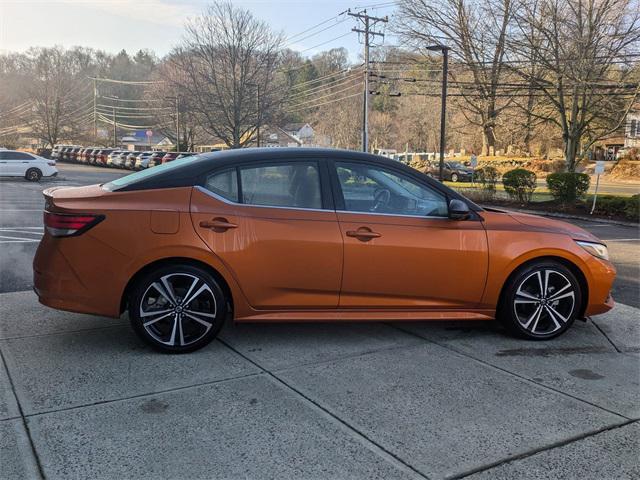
[(177, 124), (368, 22), (95, 116), (259, 115), (115, 137), (443, 105)]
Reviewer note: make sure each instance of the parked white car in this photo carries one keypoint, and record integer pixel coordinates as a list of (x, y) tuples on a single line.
[(27, 165)]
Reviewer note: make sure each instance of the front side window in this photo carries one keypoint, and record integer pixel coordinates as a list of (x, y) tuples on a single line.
[(224, 184), (369, 188), (282, 185)]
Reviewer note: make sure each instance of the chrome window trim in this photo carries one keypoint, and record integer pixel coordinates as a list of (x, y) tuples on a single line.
[(236, 204), (392, 214)]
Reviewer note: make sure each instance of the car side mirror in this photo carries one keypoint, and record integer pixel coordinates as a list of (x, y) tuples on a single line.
[(458, 210)]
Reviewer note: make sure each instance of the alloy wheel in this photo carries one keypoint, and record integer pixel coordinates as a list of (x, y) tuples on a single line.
[(178, 309), (544, 302)]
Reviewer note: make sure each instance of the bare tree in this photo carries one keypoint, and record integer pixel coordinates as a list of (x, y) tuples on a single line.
[(579, 49), (59, 93), (230, 62), (475, 32)]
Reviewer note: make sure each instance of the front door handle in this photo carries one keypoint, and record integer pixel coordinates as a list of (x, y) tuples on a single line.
[(364, 234), (218, 224)]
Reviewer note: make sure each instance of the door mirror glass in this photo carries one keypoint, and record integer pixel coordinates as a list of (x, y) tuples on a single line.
[(458, 210)]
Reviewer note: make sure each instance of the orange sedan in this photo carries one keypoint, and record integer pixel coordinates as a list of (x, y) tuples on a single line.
[(283, 235)]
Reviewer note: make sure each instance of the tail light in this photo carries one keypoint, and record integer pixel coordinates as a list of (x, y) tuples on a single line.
[(65, 225)]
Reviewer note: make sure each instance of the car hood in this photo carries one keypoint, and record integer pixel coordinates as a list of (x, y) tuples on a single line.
[(553, 226)]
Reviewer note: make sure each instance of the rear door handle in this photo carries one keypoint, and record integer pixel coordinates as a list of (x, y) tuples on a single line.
[(218, 224), (363, 234)]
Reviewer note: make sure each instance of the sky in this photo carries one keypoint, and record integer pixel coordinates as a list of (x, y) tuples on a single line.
[(113, 25)]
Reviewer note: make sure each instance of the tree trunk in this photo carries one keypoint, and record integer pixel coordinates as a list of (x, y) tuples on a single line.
[(571, 150)]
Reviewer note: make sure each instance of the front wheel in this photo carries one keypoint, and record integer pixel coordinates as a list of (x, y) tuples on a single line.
[(33, 175), (540, 301), (454, 177), (177, 308)]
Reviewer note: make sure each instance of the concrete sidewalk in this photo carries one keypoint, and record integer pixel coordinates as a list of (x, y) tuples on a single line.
[(81, 397)]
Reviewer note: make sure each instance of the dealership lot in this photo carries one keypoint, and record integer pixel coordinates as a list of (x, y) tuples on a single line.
[(80, 397)]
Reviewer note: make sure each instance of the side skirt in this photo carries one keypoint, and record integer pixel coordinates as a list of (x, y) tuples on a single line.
[(364, 316)]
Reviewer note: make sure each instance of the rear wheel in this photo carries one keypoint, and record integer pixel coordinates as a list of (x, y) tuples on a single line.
[(33, 175), (540, 301), (177, 308)]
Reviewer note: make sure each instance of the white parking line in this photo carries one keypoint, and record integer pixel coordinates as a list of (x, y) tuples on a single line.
[(24, 231), (17, 238)]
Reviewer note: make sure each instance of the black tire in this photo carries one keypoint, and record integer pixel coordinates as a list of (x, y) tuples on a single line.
[(454, 177), (33, 175), (540, 301), (178, 327)]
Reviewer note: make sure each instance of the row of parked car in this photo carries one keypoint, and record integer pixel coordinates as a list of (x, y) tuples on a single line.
[(113, 157)]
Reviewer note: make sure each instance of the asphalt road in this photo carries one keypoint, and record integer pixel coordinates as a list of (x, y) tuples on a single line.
[(21, 205)]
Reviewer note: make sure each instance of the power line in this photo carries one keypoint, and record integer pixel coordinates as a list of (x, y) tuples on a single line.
[(325, 103), (324, 43)]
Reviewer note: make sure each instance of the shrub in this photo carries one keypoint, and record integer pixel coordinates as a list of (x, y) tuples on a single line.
[(614, 206), (487, 177), (519, 184), (567, 187)]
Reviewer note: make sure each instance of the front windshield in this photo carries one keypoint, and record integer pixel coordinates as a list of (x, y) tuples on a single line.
[(148, 173)]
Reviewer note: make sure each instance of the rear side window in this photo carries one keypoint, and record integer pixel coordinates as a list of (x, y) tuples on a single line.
[(282, 185), (224, 184)]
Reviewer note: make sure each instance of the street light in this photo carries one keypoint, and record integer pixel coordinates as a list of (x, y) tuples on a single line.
[(443, 111)]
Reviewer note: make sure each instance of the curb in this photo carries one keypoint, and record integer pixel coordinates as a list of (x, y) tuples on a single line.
[(570, 217)]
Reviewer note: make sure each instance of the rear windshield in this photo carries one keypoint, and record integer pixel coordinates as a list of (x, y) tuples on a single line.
[(148, 173)]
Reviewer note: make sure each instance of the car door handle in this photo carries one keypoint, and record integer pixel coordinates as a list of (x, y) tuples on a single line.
[(363, 234), (218, 224)]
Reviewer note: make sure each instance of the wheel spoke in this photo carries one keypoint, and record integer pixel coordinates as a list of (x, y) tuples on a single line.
[(151, 322), (526, 301), (172, 339), (535, 323), (558, 292), (160, 289), (195, 312), (186, 295), (526, 295), (547, 273), (568, 294), (169, 288), (199, 320), (540, 286), (181, 333), (533, 317), (553, 318), (195, 295), (153, 312), (555, 313)]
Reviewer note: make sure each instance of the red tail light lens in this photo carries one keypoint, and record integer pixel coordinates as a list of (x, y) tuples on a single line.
[(65, 225)]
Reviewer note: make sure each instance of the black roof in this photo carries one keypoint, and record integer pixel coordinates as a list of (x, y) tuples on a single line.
[(193, 171)]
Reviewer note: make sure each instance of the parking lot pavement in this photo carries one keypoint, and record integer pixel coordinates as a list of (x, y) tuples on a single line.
[(81, 397)]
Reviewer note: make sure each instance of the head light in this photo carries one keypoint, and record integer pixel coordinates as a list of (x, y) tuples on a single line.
[(595, 249)]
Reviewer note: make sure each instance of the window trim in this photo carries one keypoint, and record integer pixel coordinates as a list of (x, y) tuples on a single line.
[(339, 195)]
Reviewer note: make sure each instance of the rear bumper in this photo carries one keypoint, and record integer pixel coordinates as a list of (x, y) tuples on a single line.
[(59, 286)]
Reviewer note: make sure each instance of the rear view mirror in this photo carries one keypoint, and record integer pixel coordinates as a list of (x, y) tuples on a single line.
[(458, 210)]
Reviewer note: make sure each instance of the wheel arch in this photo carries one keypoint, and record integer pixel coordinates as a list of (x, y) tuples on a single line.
[(163, 262), (575, 269)]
